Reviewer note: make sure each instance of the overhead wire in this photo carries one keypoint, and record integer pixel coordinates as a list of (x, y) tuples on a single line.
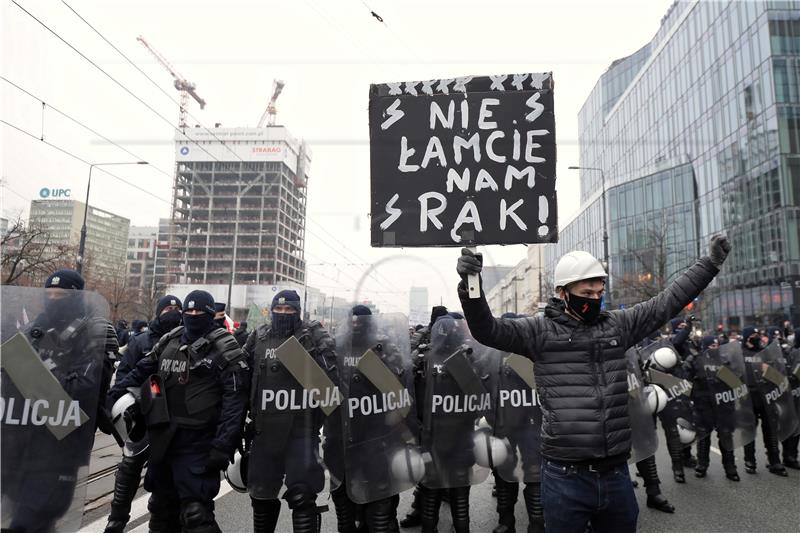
[(136, 97)]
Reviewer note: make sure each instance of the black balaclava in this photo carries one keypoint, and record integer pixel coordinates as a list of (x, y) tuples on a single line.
[(62, 311), (707, 341), (751, 338), (586, 308), (362, 326), (285, 324), (171, 319), (436, 312), (218, 308), (198, 325)]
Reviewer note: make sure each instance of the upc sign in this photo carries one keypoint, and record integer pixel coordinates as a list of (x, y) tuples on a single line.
[(47, 192)]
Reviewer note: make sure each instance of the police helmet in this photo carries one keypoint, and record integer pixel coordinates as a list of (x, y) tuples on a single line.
[(236, 473), (129, 424), (490, 451), (664, 358), (407, 465), (656, 398)]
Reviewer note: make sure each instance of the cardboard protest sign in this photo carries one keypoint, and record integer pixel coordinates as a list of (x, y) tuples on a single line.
[(463, 162)]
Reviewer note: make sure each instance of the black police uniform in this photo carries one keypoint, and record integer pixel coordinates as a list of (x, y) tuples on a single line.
[(206, 387), (755, 382), (42, 492), (291, 457), (129, 469)]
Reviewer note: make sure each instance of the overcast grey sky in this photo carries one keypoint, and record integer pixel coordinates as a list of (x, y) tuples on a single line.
[(327, 52)]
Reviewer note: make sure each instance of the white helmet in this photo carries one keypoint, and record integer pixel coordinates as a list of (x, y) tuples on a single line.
[(490, 451), (686, 432), (407, 465), (129, 424), (577, 266), (236, 473), (664, 358), (656, 398)]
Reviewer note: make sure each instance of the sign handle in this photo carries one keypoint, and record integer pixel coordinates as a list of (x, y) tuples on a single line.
[(474, 280)]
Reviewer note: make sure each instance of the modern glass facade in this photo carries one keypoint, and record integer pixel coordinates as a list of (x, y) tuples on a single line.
[(711, 119)]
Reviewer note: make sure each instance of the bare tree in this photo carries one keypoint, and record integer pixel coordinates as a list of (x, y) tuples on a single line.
[(28, 254), (651, 255), (122, 299)]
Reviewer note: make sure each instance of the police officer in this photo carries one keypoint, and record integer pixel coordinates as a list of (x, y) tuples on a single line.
[(241, 334), (790, 445), (129, 470), (219, 315), (78, 348), (284, 449), (420, 343), (579, 352), (752, 344), (205, 382)]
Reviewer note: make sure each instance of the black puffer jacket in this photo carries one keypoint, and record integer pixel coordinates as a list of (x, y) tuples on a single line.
[(581, 374)]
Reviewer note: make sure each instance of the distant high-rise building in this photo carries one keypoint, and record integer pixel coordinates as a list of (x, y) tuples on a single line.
[(418, 310), (106, 233), (140, 260), (239, 208), (698, 133)]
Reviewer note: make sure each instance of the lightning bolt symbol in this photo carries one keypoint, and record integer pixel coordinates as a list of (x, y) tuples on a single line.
[(395, 114), (584, 308), (393, 212)]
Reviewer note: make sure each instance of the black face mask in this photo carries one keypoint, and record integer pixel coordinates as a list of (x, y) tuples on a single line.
[(197, 325), (284, 324), (586, 308), (61, 311), (168, 321), (754, 342)]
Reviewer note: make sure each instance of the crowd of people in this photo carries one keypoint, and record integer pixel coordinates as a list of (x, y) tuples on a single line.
[(552, 403)]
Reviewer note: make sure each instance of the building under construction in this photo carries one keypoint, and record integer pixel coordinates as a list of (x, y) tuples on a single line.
[(239, 207)]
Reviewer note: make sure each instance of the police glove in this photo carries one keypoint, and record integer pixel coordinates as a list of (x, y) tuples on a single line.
[(469, 263), (217, 461), (718, 249)]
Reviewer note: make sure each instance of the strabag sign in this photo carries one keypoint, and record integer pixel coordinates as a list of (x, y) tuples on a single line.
[(463, 161)]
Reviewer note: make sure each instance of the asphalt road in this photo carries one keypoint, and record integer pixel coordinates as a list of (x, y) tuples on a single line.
[(762, 502)]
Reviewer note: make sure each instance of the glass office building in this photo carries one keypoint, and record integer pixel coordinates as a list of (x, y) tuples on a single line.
[(699, 132)]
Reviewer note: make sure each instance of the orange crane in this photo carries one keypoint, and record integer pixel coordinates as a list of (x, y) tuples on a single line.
[(185, 87), (271, 111)]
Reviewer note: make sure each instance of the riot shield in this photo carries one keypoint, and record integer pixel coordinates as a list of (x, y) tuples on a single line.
[(53, 351), (676, 416), (793, 366), (732, 406), (456, 397), (644, 440), (381, 454), (773, 384), (291, 396), (517, 419)]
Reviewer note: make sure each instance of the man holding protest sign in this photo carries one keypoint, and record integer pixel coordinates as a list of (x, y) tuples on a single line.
[(581, 379)]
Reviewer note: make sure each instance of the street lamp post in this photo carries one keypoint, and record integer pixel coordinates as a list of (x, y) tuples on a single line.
[(605, 219), (82, 245)]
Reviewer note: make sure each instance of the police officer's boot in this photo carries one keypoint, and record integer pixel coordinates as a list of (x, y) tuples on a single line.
[(750, 458), (165, 513), (506, 499), (430, 501), (345, 510), (126, 483), (196, 517), (379, 516), (459, 508), (790, 452), (703, 450), (265, 515), (413, 518), (302, 501), (649, 472), (533, 504), (773, 453), (729, 464), (675, 453), (688, 460)]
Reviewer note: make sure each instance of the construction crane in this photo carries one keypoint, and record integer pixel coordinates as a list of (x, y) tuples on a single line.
[(271, 111), (184, 86)]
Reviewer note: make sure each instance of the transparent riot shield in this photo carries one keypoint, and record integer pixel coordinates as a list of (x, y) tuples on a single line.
[(381, 454), (644, 440), (53, 351), (676, 415), (731, 403), (773, 384), (457, 397), (517, 419), (292, 394), (793, 367)]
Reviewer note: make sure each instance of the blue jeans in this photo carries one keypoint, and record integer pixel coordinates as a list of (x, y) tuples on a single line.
[(573, 498)]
